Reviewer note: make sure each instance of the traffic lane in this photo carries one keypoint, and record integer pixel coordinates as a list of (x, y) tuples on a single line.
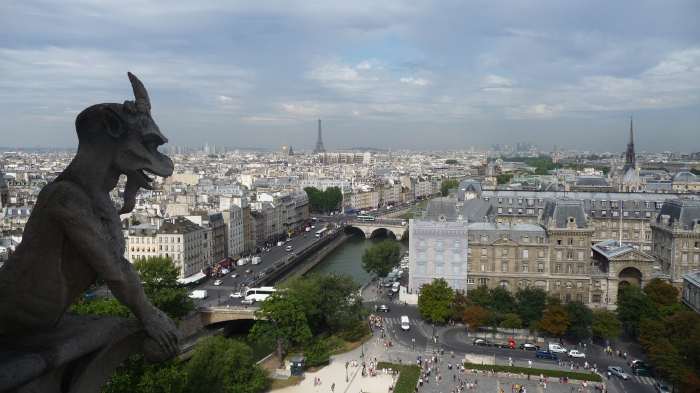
[(619, 385), (404, 337)]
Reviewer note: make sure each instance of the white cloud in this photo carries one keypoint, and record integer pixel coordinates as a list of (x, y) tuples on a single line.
[(496, 82), (224, 99), (415, 81)]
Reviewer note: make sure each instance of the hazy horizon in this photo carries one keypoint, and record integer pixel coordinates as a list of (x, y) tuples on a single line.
[(390, 75)]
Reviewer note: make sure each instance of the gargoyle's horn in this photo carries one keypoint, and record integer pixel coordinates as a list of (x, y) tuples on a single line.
[(140, 92)]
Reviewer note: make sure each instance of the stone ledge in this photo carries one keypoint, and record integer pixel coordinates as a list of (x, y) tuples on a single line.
[(77, 356)]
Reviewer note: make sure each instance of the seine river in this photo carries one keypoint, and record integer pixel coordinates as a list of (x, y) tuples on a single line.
[(347, 259)]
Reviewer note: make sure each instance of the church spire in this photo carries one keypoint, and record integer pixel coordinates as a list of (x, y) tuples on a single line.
[(630, 156)]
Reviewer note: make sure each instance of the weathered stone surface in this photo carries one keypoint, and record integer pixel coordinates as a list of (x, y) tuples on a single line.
[(73, 237)]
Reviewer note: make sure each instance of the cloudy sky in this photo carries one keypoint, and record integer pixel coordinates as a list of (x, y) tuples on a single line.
[(389, 73)]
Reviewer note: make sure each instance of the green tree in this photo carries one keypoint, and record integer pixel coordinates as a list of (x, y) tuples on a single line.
[(480, 296), (381, 257), (159, 277), (447, 185), (605, 325), (459, 304), (330, 302), (451, 161), (502, 300), (283, 323), (324, 201), (167, 378), (633, 305), (504, 178), (435, 301), (555, 321), (580, 320), (511, 321), (475, 317), (221, 365), (101, 307), (661, 292), (530, 304)]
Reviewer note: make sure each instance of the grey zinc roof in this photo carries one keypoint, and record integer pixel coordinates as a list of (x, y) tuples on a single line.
[(441, 207), (591, 181), (178, 226), (476, 210), (683, 211), (557, 212), (685, 176), (611, 248)]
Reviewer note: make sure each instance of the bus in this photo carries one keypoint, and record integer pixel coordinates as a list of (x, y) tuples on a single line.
[(259, 294), (365, 217), (320, 232)]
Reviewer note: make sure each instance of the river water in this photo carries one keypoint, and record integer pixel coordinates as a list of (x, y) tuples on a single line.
[(347, 259)]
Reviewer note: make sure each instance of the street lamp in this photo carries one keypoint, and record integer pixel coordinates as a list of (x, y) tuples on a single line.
[(413, 341)]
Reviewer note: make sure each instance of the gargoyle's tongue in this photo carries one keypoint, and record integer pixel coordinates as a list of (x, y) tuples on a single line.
[(134, 181)]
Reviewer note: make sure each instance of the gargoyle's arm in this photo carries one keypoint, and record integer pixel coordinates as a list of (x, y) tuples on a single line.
[(87, 235)]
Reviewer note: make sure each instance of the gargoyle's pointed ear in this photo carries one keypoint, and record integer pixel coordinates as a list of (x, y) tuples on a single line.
[(112, 123), (140, 92)]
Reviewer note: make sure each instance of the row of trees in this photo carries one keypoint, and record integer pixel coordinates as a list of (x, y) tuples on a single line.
[(324, 201), (447, 185), (527, 308), (307, 311), (668, 331)]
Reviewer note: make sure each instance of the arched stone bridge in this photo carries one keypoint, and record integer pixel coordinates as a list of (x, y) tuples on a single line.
[(212, 315), (370, 228)]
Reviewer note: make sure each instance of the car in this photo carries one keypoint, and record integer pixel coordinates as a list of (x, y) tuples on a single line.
[(217, 282), (638, 363), (618, 372), (482, 343), (557, 348), (383, 308), (248, 271), (236, 295), (234, 275), (529, 347), (576, 354), (247, 301), (548, 355), (661, 387), (288, 248)]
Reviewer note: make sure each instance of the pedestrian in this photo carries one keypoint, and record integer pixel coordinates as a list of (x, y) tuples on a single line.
[(333, 387)]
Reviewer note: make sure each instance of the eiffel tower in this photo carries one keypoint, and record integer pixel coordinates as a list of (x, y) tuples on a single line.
[(319, 141)]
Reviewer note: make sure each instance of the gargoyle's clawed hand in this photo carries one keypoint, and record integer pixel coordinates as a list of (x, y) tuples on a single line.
[(163, 330)]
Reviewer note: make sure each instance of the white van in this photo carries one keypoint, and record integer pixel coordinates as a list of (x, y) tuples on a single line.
[(405, 323), (556, 348)]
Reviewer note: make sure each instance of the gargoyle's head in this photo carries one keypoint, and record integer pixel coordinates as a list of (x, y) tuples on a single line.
[(132, 138)]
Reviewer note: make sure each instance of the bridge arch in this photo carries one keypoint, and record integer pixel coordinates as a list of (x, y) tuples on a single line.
[(384, 231), (350, 229)]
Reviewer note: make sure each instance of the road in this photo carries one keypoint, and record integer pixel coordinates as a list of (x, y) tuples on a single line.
[(456, 339), (241, 276)]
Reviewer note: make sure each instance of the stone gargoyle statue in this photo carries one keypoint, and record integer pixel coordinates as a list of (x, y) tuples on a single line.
[(74, 236)]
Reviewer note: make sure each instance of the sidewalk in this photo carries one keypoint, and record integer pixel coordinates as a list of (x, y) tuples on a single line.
[(335, 373)]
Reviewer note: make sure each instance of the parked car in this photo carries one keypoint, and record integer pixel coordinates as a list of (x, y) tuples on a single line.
[(557, 348), (641, 371), (288, 248), (383, 308), (576, 354), (248, 271), (236, 295), (234, 275), (618, 372), (482, 342), (529, 347), (637, 363), (247, 301), (548, 355), (217, 282), (661, 387)]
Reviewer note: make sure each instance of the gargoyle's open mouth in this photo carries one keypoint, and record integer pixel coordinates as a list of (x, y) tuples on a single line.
[(144, 181)]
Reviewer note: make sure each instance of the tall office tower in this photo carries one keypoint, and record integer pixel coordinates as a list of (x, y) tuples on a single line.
[(319, 141)]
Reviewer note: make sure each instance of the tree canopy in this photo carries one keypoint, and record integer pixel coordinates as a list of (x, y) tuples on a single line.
[(447, 185), (632, 307), (221, 365), (324, 201), (580, 319), (159, 277), (381, 257), (555, 320), (531, 303), (435, 301), (475, 317), (605, 325)]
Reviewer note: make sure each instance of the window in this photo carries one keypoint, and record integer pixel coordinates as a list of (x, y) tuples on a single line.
[(483, 252), (580, 256), (524, 268), (559, 255), (595, 298), (504, 252), (470, 280), (540, 267), (559, 242), (483, 267), (540, 253), (503, 284), (504, 267), (526, 254), (483, 281), (557, 268)]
